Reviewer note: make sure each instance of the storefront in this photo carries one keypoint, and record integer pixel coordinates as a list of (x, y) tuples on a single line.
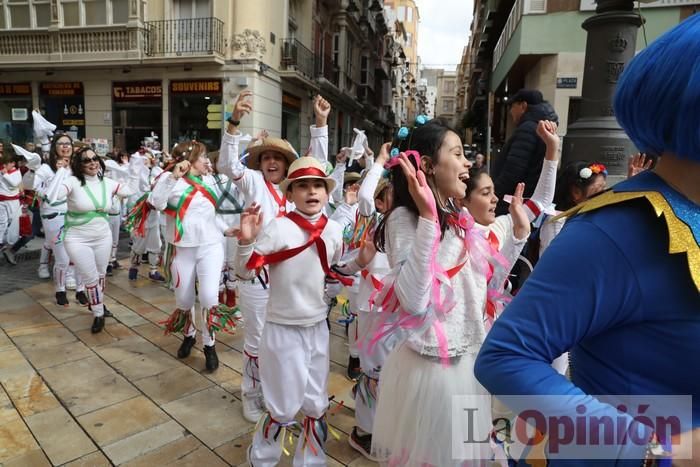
[(63, 104), (291, 120), (196, 111), (16, 113), (137, 110)]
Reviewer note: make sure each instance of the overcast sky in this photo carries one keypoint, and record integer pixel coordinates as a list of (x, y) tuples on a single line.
[(444, 31)]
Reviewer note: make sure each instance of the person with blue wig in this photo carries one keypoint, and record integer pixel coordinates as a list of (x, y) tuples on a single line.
[(620, 289)]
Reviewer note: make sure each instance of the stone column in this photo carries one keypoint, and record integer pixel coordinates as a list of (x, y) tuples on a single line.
[(611, 44)]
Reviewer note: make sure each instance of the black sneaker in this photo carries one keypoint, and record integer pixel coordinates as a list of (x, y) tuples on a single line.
[(98, 324), (362, 444), (354, 369), (212, 361), (61, 298), (186, 347), (110, 271), (116, 265), (107, 313), (82, 298)]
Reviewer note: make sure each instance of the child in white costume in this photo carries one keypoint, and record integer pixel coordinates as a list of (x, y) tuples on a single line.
[(195, 231), (229, 207), (120, 173), (10, 181), (87, 237), (267, 163), (146, 238), (294, 350)]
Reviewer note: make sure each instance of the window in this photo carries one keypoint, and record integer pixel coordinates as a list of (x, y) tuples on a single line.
[(91, 12), (448, 106), (409, 14), (336, 49), (409, 38), (192, 9), (24, 14), (449, 87), (348, 62)]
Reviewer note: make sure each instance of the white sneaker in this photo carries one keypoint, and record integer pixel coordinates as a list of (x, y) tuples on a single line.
[(70, 283), (44, 271), (251, 408)]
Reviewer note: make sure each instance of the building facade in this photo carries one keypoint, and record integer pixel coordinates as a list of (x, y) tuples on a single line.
[(124, 69), (536, 44), (446, 99)]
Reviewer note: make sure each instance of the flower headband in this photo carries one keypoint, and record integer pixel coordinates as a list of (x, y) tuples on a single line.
[(595, 168)]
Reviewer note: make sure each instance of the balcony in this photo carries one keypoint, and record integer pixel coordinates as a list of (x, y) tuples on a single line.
[(327, 71), (298, 63), (520, 8), (184, 37), (114, 44), (70, 45)]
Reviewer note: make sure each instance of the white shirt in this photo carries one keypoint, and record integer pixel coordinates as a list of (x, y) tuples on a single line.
[(297, 284), (251, 183), (201, 225), (42, 180), (9, 183)]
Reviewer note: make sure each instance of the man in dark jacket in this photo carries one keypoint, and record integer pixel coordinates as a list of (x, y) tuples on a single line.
[(522, 155)]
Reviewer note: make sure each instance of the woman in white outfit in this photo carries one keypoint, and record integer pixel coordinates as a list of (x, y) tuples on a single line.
[(86, 235), (196, 233), (53, 217)]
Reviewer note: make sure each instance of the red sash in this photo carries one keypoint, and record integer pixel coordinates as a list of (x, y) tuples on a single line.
[(376, 283), (8, 198), (281, 202), (257, 261)]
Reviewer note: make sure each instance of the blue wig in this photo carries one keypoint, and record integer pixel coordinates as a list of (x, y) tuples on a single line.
[(657, 101)]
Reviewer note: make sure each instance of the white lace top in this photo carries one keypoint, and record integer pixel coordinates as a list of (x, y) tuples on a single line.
[(409, 241)]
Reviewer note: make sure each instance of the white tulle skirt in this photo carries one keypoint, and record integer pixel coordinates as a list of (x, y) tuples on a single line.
[(416, 420)]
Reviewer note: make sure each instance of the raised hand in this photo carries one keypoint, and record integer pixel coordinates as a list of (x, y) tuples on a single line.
[(342, 156), (180, 169), (243, 105), (384, 154), (322, 109), (547, 131), (419, 189), (351, 194), (521, 224), (638, 163), (251, 225)]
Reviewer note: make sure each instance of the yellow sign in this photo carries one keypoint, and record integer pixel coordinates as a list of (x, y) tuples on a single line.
[(214, 125), (211, 108)]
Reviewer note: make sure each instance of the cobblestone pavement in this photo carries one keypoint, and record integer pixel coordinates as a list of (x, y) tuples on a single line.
[(69, 397)]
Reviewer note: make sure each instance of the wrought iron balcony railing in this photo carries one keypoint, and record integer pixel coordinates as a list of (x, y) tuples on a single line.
[(296, 56), (196, 36)]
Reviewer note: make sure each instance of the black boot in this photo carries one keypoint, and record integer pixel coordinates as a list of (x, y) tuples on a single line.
[(98, 324), (211, 358), (61, 298), (107, 314), (186, 347), (82, 298)]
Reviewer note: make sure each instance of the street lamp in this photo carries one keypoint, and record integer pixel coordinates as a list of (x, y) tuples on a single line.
[(611, 44)]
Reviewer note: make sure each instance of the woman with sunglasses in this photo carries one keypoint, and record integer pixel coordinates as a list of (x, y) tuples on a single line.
[(52, 220), (86, 235)]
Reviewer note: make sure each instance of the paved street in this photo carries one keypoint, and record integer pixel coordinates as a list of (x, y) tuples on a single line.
[(69, 397)]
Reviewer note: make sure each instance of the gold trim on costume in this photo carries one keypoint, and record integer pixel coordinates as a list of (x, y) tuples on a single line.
[(681, 238)]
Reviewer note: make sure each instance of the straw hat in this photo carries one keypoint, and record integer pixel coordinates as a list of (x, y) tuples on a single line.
[(383, 183), (270, 144), (351, 177), (305, 168)]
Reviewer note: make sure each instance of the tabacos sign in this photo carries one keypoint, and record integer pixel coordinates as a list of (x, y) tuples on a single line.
[(137, 91)]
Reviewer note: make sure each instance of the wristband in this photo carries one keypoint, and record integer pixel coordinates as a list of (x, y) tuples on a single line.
[(233, 122)]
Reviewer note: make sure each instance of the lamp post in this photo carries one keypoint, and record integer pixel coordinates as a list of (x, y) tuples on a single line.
[(611, 44)]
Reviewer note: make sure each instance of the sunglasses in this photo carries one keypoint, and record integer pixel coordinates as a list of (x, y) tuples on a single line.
[(87, 160)]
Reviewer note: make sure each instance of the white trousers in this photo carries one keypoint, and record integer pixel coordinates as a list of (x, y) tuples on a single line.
[(228, 271), (252, 300), (294, 367), (203, 265), (115, 221), (89, 251), (371, 360), (53, 242), (353, 331), (9, 222)]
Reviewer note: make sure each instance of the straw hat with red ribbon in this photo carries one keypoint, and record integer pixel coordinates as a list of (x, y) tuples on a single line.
[(306, 168)]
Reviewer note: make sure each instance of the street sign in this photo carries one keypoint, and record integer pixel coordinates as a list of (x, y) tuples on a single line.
[(214, 124)]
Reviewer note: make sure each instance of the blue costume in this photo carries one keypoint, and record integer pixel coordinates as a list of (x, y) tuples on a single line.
[(620, 288)]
